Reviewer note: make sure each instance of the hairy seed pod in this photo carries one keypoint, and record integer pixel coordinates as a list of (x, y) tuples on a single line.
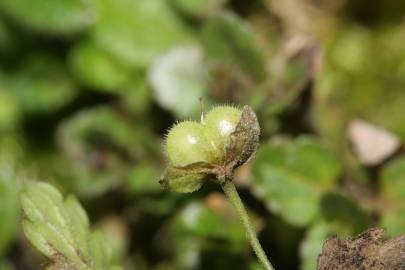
[(225, 140), (186, 144), (219, 123)]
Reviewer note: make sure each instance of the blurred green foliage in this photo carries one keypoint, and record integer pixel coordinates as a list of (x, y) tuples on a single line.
[(9, 207), (88, 89), (285, 183)]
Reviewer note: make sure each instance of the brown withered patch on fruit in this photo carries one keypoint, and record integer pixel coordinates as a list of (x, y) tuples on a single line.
[(244, 141), (367, 251)]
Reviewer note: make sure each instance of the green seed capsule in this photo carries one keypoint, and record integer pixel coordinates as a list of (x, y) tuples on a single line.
[(186, 144), (219, 123), (200, 151)]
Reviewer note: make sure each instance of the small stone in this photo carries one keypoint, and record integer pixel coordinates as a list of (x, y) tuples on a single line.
[(372, 144)]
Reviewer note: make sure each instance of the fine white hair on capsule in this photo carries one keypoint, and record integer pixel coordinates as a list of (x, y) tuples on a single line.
[(226, 105), (166, 135)]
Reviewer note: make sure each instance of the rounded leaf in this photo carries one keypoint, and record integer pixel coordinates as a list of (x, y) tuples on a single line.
[(235, 48), (41, 84), (97, 69), (49, 16), (291, 176), (146, 29)]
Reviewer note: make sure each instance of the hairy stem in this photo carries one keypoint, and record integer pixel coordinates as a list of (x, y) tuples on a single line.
[(233, 196)]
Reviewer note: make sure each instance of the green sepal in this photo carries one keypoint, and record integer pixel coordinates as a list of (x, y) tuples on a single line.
[(186, 179)]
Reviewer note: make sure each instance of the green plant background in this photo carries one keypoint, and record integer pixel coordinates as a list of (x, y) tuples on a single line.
[(88, 89)]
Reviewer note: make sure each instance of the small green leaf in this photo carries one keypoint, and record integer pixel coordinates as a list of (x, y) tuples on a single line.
[(79, 221), (48, 224), (59, 229), (37, 239), (147, 29), (98, 69), (55, 17), (291, 176), (229, 40), (41, 84)]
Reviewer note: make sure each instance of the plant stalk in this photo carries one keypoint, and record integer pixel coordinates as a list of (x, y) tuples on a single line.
[(232, 194)]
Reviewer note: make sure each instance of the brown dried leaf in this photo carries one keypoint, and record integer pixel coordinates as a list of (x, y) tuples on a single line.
[(368, 251), (244, 141), (392, 253)]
